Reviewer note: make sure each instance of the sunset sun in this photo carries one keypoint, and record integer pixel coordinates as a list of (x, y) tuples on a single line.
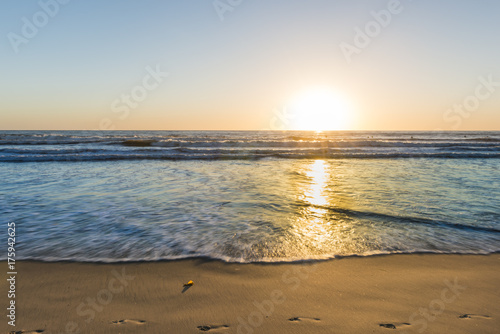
[(320, 109)]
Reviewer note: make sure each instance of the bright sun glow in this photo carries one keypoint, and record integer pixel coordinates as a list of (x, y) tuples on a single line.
[(320, 110)]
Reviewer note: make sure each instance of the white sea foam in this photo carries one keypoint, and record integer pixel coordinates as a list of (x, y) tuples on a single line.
[(249, 196)]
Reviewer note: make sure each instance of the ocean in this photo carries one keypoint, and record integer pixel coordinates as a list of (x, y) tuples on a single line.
[(248, 196)]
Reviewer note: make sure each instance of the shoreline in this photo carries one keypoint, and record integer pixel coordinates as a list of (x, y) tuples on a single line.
[(413, 293), (211, 259)]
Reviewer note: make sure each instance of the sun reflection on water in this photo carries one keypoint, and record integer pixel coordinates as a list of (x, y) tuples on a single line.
[(321, 226), (315, 195), (312, 226)]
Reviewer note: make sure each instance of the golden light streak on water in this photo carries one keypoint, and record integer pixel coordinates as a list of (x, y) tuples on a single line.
[(312, 226)]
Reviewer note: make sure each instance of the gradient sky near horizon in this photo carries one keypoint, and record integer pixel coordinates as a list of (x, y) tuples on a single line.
[(239, 73)]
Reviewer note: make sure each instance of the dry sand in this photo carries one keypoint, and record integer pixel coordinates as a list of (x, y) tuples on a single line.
[(403, 293)]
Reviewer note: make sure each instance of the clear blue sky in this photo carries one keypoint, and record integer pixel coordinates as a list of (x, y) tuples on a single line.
[(237, 72)]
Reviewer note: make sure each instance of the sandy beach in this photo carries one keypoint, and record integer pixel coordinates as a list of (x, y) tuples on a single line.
[(381, 294), (250, 167)]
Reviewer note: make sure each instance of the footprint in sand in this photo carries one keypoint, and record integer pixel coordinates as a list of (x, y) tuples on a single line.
[(206, 328), (395, 325), (27, 332), (128, 321), (471, 316), (297, 319)]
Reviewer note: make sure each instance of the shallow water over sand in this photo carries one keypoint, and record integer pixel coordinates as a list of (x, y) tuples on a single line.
[(269, 209)]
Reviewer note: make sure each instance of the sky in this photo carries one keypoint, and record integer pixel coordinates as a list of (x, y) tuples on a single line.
[(249, 65)]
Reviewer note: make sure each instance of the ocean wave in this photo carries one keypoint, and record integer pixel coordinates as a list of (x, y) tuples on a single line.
[(229, 259), (485, 139), (249, 143), (138, 142), (230, 145), (185, 154), (251, 139), (278, 209)]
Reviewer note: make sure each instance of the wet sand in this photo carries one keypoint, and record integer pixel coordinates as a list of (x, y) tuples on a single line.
[(380, 294)]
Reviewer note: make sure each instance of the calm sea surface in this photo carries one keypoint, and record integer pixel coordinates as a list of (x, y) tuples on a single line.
[(248, 196)]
